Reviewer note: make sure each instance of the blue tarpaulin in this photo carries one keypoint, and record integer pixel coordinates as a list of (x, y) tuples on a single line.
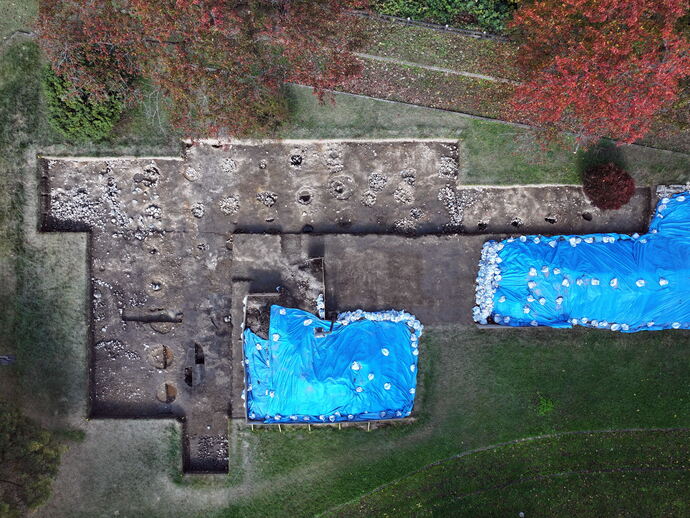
[(364, 367), (608, 281)]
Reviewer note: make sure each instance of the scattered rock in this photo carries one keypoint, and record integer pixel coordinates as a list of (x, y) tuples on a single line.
[(115, 350), (369, 198), (153, 212), (213, 446), (377, 181), (296, 160), (191, 174), (404, 194), (198, 210), (155, 288), (333, 158), (268, 198), (409, 175), (151, 175), (341, 187), (76, 205), (416, 213), (449, 198), (229, 205), (228, 166), (448, 168), (405, 226)]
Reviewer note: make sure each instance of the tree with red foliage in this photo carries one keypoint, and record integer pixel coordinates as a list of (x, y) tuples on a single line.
[(223, 63), (608, 186), (600, 67)]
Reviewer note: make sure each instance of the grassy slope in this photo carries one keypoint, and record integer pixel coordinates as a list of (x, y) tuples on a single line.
[(602, 494), (16, 15), (441, 49), (610, 474), (417, 85), (480, 387)]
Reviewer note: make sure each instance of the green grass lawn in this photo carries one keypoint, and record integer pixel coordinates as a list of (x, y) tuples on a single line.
[(643, 473), (16, 15), (479, 388)]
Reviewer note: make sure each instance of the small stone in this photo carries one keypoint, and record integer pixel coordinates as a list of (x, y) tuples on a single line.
[(267, 198), (229, 205), (198, 210)]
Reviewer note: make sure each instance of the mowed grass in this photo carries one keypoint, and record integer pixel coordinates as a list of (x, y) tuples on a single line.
[(16, 15), (640, 473), (478, 388)]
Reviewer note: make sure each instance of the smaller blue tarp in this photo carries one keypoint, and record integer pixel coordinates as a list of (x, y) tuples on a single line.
[(365, 368)]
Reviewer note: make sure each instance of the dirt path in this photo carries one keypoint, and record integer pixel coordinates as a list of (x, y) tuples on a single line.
[(7, 40), (472, 75)]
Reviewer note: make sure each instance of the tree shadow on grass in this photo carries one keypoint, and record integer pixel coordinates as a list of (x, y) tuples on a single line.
[(49, 333), (603, 152)]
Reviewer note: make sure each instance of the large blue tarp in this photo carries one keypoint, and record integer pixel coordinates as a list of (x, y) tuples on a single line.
[(608, 281), (363, 368)]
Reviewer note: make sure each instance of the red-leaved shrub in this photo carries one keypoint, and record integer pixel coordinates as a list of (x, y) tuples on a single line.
[(608, 186)]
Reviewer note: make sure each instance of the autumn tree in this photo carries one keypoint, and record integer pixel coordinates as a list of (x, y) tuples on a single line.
[(600, 67), (222, 63), (608, 186)]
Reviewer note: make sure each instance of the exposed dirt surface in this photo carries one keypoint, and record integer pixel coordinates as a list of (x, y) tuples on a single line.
[(430, 276), (183, 250)]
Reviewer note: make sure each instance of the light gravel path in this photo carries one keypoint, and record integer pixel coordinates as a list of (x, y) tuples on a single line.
[(472, 75)]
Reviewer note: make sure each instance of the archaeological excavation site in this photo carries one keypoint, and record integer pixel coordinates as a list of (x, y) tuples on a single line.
[(208, 266)]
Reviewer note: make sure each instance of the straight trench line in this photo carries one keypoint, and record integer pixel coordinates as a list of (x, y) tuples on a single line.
[(494, 447), (472, 75)]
